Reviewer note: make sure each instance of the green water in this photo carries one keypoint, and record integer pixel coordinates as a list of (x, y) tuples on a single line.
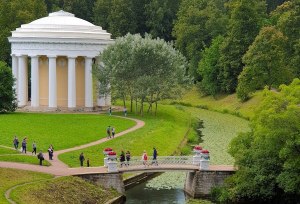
[(164, 189)]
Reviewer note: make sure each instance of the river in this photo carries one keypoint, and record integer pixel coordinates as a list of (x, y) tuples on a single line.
[(164, 189)]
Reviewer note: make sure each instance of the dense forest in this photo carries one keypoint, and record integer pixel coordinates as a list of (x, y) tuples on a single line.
[(231, 45)]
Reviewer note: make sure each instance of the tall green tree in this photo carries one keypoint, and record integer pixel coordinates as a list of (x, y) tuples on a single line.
[(8, 101), (208, 67), (14, 13), (287, 20), (199, 21), (246, 19), (116, 16), (161, 16), (265, 63), (268, 156), (144, 70)]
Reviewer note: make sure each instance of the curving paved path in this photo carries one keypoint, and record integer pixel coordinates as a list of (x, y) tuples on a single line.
[(58, 168)]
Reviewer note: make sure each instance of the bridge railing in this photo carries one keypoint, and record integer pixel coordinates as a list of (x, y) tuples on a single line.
[(161, 160)]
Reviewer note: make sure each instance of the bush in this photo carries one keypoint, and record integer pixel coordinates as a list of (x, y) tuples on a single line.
[(8, 102)]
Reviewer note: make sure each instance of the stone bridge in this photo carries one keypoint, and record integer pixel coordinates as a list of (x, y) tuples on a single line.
[(199, 179)]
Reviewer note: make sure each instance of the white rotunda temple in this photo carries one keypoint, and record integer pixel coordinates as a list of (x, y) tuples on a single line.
[(61, 50)]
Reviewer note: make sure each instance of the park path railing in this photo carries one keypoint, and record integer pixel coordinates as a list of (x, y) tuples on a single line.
[(160, 161)]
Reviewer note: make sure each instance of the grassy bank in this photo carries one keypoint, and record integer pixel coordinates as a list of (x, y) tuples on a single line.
[(222, 103), (8, 151), (12, 177), (62, 190), (164, 131), (26, 159), (61, 130)]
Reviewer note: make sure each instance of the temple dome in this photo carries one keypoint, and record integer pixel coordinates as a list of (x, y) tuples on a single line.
[(61, 25)]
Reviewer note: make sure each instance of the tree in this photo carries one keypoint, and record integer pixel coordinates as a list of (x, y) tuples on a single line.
[(199, 21), (144, 70), (14, 13), (208, 67), (161, 15), (268, 156), (246, 18), (120, 17), (8, 101), (287, 20), (265, 63)]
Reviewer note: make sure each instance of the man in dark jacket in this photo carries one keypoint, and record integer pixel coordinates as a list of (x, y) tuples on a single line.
[(40, 156), (81, 159)]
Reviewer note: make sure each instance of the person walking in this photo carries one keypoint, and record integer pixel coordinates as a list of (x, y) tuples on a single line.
[(127, 158), (108, 132), (33, 148), (113, 132), (145, 158), (109, 110), (154, 159), (81, 159), (50, 152), (24, 145), (122, 159), (40, 156), (16, 142), (125, 111)]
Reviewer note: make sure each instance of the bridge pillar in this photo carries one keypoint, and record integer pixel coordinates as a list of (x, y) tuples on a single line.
[(112, 180), (198, 184)]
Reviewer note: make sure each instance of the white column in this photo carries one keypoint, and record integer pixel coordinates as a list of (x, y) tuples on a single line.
[(88, 83), (22, 81), (35, 98), (52, 82), (15, 72), (71, 83)]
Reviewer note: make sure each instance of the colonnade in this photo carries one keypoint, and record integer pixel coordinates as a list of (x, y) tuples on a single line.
[(20, 73)]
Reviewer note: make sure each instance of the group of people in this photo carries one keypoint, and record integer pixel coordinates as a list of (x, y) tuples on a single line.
[(154, 158), (81, 159), (110, 131), (124, 158), (24, 145), (40, 155)]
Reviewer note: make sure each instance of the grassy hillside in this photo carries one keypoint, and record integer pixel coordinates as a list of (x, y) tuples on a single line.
[(164, 131), (61, 130), (63, 190), (12, 177), (222, 103)]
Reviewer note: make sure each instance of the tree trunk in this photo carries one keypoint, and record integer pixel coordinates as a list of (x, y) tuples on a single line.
[(136, 106), (131, 103), (155, 108), (142, 108), (124, 101)]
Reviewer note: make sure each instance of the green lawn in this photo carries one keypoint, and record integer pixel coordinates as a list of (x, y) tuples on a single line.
[(218, 131), (223, 103), (63, 190), (8, 151), (61, 130), (165, 132), (23, 159), (12, 177)]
